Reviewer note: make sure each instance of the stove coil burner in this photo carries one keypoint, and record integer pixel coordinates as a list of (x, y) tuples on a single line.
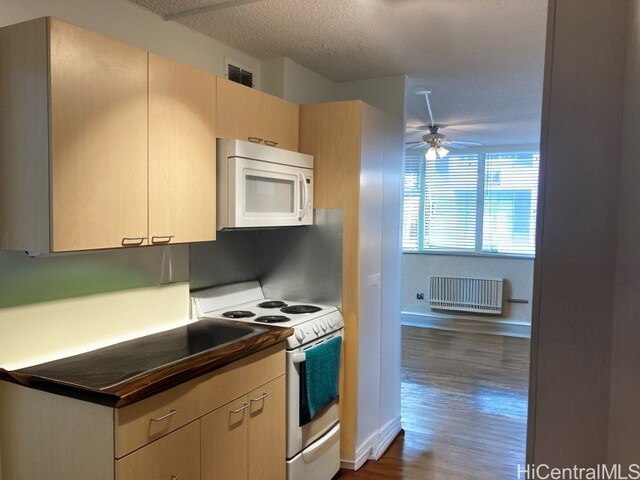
[(238, 314), (272, 304), (272, 319), (296, 309)]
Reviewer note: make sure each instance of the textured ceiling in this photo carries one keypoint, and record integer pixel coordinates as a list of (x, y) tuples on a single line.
[(482, 59)]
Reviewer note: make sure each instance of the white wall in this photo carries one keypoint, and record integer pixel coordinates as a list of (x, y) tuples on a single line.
[(517, 272), (130, 23), (370, 295), (384, 93), (272, 78), (390, 329), (575, 265), (624, 421), (283, 77), (40, 332)]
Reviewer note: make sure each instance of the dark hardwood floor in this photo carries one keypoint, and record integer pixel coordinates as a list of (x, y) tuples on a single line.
[(464, 409)]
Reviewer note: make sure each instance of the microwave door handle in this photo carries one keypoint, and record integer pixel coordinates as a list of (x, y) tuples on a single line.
[(303, 212)]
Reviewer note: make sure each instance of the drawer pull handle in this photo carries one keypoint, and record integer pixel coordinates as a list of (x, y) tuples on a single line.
[(255, 139), (164, 417), (161, 238), (133, 241), (244, 407), (261, 397), (173, 477), (270, 143)]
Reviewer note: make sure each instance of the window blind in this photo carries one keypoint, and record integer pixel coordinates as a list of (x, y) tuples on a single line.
[(451, 196), (482, 202), (510, 200), (413, 187)]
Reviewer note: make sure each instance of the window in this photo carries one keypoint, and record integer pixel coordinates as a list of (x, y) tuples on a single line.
[(483, 203)]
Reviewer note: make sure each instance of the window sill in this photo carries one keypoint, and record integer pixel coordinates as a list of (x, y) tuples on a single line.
[(514, 256)]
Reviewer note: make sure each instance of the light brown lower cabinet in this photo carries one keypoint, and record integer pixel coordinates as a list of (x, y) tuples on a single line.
[(174, 457), (241, 439), (223, 425)]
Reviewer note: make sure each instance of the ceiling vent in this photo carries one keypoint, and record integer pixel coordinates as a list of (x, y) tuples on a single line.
[(239, 73)]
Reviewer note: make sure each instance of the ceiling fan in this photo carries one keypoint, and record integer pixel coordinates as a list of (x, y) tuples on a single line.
[(436, 140)]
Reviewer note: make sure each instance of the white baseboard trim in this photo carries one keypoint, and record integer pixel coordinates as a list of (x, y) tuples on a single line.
[(472, 325), (363, 453), (387, 435), (374, 446)]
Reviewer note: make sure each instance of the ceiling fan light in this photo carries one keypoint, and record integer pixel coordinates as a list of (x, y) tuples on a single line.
[(441, 151), (431, 154)]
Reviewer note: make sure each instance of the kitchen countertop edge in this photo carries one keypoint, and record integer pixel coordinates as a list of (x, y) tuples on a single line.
[(157, 380)]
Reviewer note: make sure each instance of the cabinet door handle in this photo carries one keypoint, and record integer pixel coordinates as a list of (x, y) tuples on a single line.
[(173, 477), (161, 238), (255, 139), (132, 241), (261, 397), (244, 407), (164, 417), (271, 143)]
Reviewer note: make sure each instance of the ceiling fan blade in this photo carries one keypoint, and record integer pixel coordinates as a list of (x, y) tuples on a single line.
[(455, 146), (411, 143), (418, 128), (415, 145), (468, 144)]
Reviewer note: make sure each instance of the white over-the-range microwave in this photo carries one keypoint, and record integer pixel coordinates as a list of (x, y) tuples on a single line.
[(262, 186)]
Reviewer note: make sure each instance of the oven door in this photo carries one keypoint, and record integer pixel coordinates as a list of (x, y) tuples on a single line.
[(300, 437), (264, 194)]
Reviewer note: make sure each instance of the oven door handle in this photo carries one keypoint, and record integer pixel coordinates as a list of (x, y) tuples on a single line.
[(299, 357), (321, 446)]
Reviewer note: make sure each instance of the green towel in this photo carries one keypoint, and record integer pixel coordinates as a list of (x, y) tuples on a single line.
[(319, 378)]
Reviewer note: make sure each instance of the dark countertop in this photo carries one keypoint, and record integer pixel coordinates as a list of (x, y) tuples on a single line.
[(126, 372)]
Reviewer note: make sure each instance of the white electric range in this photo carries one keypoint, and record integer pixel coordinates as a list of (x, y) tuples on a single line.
[(313, 449)]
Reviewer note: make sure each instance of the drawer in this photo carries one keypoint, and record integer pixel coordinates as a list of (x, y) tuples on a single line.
[(149, 419), (235, 380), (175, 456)]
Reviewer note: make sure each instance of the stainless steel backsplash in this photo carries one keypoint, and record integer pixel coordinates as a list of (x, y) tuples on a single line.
[(296, 263), (303, 264)]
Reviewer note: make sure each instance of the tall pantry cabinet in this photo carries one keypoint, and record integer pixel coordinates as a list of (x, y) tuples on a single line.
[(347, 142)]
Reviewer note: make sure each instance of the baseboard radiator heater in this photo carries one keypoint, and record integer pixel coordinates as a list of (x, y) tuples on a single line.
[(461, 294)]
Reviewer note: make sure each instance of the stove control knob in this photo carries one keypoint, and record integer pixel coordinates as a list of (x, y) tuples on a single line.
[(324, 325), (316, 329), (300, 335)]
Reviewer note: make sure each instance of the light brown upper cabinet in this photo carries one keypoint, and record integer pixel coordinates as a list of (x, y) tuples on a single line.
[(248, 114), (76, 171), (73, 177), (182, 152), (280, 120)]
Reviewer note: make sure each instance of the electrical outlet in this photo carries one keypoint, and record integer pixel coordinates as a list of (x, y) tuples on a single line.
[(420, 296)]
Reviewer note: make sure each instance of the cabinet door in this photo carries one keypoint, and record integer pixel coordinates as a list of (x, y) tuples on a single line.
[(174, 456), (239, 111), (267, 430), (224, 442), (280, 120), (98, 153), (182, 153)]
